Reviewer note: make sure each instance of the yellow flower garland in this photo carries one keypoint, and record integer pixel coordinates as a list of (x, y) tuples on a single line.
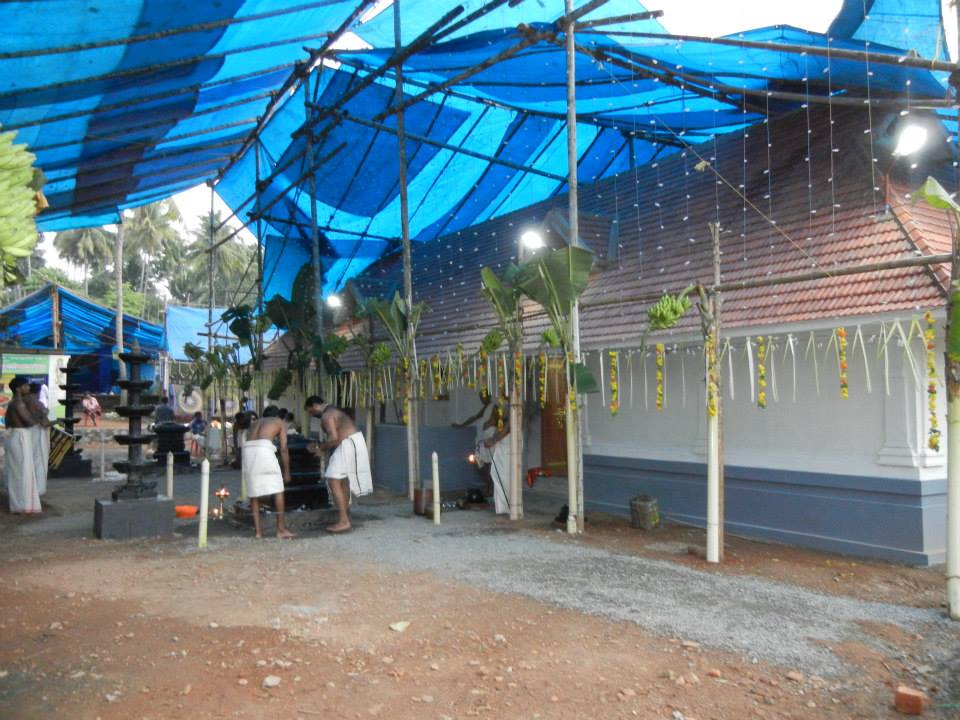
[(518, 370), (573, 392), (501, 392), (933, 433), (424, 373), (482, 372), (842, 350), (660, 356), (713, 380), (542, 381), (761, 371), (437, 377), (405, 381), (614, 383)]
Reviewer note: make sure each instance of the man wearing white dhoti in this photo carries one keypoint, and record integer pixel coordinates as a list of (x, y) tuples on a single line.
[(348, 467), (262, 473), (494, 450), (20, 463), (40, 436)]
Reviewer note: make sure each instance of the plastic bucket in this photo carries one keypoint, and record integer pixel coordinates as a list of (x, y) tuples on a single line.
[(644, 512)]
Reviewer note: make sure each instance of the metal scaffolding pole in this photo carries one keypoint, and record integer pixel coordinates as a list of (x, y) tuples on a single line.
[(259, 345), (314, 231)]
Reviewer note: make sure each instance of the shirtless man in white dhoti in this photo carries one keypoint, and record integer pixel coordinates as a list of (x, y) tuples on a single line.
[(22, 478), (348, 468), (262, 473)]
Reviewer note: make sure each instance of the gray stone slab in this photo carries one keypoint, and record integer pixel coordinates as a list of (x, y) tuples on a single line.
[(126, 519)]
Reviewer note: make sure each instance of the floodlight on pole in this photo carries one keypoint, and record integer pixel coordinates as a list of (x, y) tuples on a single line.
[(532, 240), (334, 301), (910, 140)]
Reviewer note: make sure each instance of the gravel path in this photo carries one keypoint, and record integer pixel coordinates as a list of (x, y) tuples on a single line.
[(755, 618)]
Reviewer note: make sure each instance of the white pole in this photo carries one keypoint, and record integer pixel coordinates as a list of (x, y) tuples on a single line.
[(170, 475), (713, 489), (204, 502), (953, 508), (436, 490)]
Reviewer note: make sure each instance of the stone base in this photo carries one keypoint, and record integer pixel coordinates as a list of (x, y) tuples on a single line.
[(126, 519), (297, 520), (73, 465)]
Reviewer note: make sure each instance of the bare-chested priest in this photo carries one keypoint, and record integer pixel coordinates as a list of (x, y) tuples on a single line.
[(348, 467), (23, 475), (262, 474)]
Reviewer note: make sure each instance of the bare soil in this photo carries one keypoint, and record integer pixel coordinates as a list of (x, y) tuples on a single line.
[(154, 629)]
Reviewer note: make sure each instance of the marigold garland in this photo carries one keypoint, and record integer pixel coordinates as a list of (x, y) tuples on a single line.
[(518, 371), (933, 433), (660, 355), (424, 374), (573, 390), (501, 392), (407, 394), (482, 372), (761, 371), (542, 381), (713, 380), (842, 351), (614, 382), (437, 377)]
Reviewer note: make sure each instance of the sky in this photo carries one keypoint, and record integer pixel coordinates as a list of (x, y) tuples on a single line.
[(688, 17)]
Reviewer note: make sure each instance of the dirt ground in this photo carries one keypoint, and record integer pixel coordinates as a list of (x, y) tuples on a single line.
[(155, 629)]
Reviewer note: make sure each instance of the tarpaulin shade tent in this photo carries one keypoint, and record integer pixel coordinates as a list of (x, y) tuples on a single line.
[(126, 103), (84, 327)]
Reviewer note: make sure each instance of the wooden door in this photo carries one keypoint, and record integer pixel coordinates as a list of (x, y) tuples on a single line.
[(553, 433)]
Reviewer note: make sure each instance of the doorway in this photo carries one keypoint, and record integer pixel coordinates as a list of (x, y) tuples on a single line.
[(553, 432)]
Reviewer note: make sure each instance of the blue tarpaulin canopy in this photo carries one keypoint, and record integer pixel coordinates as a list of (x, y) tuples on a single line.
[(127, 103), (85, 327), (184, 324)]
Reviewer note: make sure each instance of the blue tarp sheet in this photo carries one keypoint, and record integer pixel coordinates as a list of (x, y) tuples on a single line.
[(86, 327), (126, 103), (185, 324)]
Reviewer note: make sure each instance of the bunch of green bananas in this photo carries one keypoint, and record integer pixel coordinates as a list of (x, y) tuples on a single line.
[(667, 311), (18, 206)]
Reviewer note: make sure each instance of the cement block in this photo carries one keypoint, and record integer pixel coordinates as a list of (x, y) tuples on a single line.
[(126, 519)]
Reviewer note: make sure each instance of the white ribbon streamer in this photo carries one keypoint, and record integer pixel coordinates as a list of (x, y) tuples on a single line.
[(748, 349)]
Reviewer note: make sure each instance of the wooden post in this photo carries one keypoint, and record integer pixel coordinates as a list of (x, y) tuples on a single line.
[(516, 441), (574, 433), (55, 314), (413, 439)]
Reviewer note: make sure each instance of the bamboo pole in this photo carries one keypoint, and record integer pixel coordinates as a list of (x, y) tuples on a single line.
[(211, 400), (715, 490), (118, 273), (314, 231), (435, 462), (574, 428), (260, 308), (516, 444), (413, 439)]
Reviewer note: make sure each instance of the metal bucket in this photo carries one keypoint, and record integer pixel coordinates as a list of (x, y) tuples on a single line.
[(644, 512)]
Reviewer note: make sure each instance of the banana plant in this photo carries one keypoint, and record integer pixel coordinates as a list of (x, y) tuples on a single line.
[(505, 297), (20, 200), (555, 282), (211, 368)]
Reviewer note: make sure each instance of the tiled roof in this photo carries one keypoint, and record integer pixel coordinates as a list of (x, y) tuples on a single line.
[(827, 203)]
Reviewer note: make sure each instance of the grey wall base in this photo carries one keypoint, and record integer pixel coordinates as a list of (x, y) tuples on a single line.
[(451, 444), (890, 519), (126, 519)]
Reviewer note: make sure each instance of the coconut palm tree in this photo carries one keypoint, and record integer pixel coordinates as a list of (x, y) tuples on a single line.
[(233, 272), (87, 248), (148, 229)]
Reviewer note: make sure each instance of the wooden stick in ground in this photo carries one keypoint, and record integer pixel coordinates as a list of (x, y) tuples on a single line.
[(204, 503)]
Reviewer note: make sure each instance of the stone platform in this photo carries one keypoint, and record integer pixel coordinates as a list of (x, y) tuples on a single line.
[(126, 519)]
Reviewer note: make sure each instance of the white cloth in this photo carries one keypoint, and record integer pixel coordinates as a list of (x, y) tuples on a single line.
[(261, 469), (44, 396), (351, 460), (500, 474), (19, 465), (40, 437)]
